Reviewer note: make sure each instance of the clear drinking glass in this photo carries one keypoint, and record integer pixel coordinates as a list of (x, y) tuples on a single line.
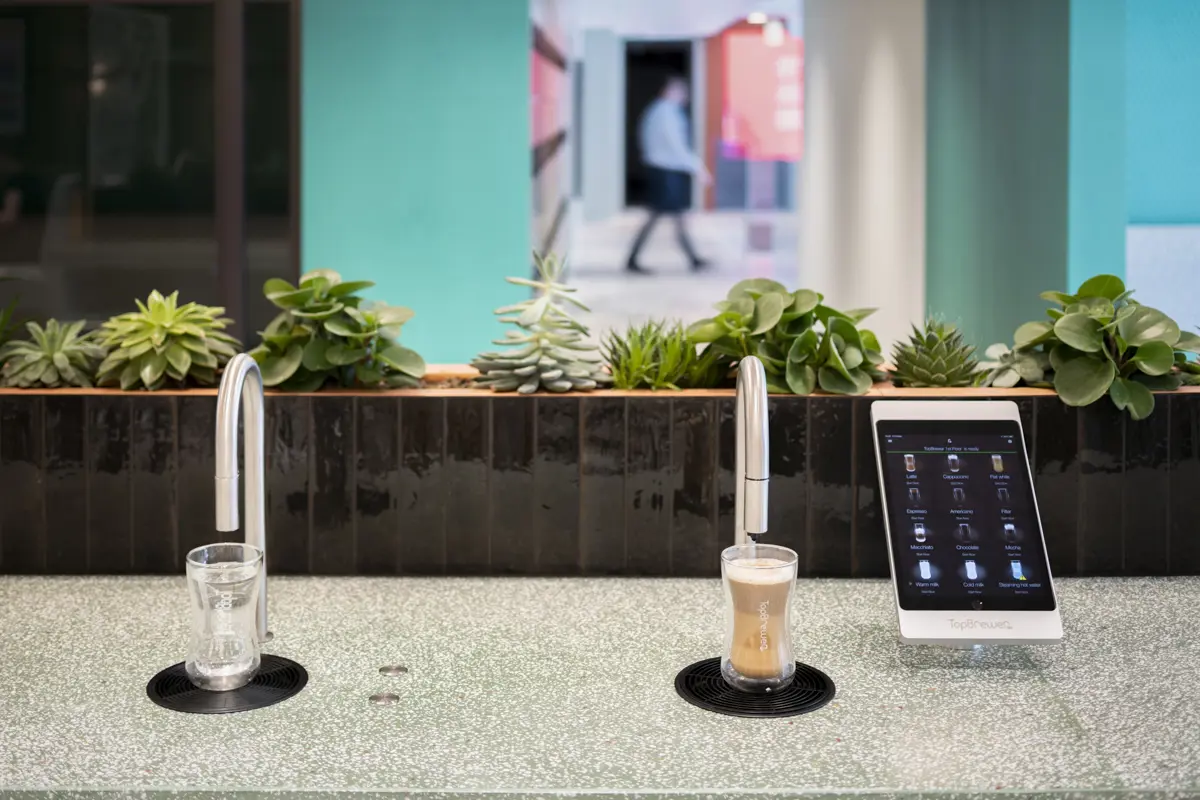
[(758, 582), (223, 588)]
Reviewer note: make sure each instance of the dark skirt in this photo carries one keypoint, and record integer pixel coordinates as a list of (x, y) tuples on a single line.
[(667, 190)]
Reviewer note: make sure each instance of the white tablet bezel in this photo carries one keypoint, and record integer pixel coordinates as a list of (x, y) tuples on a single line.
[(959, 628)]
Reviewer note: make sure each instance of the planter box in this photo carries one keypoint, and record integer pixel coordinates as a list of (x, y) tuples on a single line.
[(455, 482)]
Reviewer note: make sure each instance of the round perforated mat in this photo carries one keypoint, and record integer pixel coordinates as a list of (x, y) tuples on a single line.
[(277, 680), (701, 685)]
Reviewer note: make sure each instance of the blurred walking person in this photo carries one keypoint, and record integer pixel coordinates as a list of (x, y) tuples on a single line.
[(670, 165)]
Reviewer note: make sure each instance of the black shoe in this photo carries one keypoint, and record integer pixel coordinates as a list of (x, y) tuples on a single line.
[(637, 269), (699, 264)]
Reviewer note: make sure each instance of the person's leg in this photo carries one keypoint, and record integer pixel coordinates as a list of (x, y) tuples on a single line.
[(644, 234), (685, 243)]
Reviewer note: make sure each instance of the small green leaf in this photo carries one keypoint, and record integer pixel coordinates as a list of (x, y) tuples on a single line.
[(1081, 332), (152, 368), (706, 330), (349, 288), (834, 382), (1083, 381), (1099, 308), (804, 347), (1062, 298), (401, 358), (277, 369), (755, 288), (340, 328), (1119, 393), (393, 315), (801, 378), (767, 311), (277, 286), (1107, 286), (292, 300), (1188, 342), (340, 355), (1155, 358), (1033, 333), (313, 357), (180, 358), (869, 340), (804, 301), (1140, 401), (1146, 324)]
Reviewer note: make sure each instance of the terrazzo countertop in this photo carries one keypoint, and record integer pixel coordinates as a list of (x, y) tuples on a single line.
[(552, 687)]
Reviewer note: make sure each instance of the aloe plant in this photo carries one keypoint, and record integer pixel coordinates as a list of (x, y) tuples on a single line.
[(654, 356), (164, 343), (57, 355), (326, 333), (550, 348)]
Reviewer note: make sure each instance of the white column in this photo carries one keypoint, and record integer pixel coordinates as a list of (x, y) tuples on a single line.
[(603, 136), (863, 178)]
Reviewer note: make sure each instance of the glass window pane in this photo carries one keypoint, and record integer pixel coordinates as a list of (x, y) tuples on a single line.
[(106, 155), (270, 97)]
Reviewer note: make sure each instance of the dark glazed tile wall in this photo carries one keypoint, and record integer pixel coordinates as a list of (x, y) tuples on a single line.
[(575, 485)]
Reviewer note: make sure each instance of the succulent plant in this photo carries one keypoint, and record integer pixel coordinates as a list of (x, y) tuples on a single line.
[(801, 342), (326, 333), (1099, 341), (163, 342), (55, 356), (935, 356), (550, 351), (652, 355)]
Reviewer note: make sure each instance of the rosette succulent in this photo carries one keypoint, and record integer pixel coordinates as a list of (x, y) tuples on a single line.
[(57, 355), (549, 348), (935, 356), (164, 343)]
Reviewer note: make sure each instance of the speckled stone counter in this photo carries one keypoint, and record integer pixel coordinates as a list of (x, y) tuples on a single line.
[(552, 687)]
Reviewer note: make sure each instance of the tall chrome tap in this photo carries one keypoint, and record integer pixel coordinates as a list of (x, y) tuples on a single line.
[(752, 454), (243, 381)]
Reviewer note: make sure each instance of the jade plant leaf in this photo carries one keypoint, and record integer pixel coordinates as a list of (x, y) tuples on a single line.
[(1083, 381), (1146, 324), (768, 308), (1107, 286), (1081, 332), (277, 369), (1033, 333), (1188, 342), (1155, 358), (801, 378)]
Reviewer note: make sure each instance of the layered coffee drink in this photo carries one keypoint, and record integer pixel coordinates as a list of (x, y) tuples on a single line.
[(758, 640)]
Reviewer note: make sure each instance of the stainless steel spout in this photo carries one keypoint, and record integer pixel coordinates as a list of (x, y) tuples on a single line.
[(243, 381), (752, 454)]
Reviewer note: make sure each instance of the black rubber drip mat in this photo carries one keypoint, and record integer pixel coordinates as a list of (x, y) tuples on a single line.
[(277, 679), (701, 685)]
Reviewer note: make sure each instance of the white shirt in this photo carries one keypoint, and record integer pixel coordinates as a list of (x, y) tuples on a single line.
[(663, 136)]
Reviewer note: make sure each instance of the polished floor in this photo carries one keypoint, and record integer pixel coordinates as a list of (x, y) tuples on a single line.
[(739, 245)]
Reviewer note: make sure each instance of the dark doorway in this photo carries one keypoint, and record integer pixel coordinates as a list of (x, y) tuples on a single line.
[(648, 65)]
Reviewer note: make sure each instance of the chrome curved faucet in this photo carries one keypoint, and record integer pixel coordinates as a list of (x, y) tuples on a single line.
[(752, 455), (243, 381)]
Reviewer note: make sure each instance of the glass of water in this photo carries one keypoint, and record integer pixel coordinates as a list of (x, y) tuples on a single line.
[(223, 588)]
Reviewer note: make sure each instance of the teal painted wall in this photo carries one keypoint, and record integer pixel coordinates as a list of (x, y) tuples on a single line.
[(1098, 211), (1163, 102), (416, 158), (997, 96)]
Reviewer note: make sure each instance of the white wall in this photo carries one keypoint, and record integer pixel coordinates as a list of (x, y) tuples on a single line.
[(603, 124), (863, 182)]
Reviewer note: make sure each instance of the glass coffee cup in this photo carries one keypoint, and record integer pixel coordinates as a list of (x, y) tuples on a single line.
[(223, 587), (758, 579)]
